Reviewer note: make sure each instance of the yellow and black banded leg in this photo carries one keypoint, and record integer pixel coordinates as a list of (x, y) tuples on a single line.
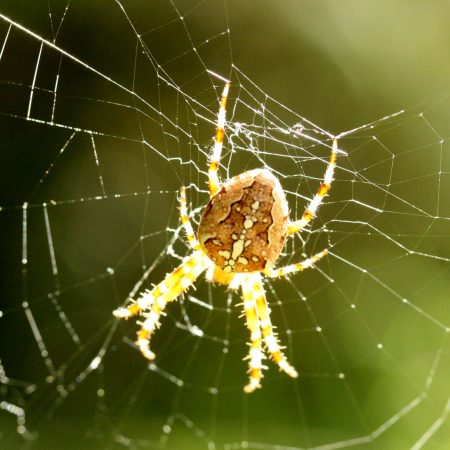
[(193, 242), (218, 144), (297, 267), (270, 338), (256, 355), (311, 209), (152, 303)]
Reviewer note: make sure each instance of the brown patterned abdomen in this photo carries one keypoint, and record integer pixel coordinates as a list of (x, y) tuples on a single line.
[(243, 227)]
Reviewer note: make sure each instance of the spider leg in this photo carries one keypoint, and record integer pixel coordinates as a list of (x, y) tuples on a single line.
[(311, 209), (154, 301), (218, 143), (269, 336), (297, 267), (193, 242), (255, 355)]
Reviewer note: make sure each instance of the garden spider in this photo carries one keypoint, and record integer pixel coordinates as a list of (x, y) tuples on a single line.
[(240, 237)]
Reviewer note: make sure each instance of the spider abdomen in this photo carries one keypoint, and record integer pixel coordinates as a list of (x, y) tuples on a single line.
[(243, 227)]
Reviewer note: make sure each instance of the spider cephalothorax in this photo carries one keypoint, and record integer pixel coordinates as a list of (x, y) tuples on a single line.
[(240, 237)]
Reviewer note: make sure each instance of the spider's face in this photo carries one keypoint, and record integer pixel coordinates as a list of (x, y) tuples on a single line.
[(244, 226)]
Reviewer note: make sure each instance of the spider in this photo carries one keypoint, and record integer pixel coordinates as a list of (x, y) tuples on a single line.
[(240, 236)]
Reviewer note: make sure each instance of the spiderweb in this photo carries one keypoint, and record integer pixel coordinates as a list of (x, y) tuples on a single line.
[(106, 110)]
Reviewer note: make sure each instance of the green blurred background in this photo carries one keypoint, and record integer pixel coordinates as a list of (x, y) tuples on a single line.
[(340, 64)]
